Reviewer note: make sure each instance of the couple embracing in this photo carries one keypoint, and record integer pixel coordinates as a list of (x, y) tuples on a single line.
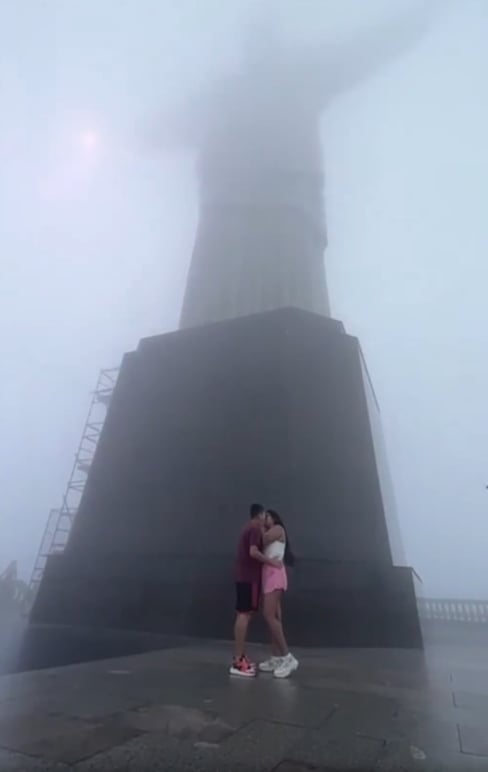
[(260, 575)]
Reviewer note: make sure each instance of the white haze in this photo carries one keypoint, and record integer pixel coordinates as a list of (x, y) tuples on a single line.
[(96, 237)]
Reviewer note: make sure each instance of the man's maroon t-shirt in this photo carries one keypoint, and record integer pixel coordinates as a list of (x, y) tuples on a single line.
[(248, 569)]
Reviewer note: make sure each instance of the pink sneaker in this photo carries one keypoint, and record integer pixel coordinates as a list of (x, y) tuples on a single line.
[(242, 667)]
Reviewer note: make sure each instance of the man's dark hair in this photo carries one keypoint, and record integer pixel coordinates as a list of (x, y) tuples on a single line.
[(255, 510)]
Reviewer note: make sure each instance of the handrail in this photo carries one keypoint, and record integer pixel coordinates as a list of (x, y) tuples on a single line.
[(453, 610)]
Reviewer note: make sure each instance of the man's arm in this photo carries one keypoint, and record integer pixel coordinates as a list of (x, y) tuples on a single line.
[(255, 541), (256, 554), (344, 66)]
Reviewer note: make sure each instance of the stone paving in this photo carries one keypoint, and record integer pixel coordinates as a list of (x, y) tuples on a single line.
[(179, 710)]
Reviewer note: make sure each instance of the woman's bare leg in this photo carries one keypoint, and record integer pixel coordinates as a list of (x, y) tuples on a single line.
[(278, 608), (275, 649), (272, 615), (268, 603)]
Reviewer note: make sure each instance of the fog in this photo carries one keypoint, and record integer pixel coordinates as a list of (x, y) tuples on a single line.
[(96, 234)]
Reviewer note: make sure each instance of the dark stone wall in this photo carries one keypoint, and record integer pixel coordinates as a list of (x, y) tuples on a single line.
[(383, 469), (328, 603), (202, 422)]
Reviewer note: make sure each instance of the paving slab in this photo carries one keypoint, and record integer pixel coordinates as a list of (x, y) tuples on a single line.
[(258, 747), (179, 709), (361, 715), (184, 723), (320, 749), (17, 762), (400, 756), (81, 743), (473, 701), (474, 740)]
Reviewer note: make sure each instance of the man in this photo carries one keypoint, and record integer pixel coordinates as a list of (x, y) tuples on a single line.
[(249, 561)]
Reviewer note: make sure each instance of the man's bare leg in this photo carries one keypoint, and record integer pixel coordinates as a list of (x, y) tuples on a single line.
[(241, 665), (240, 634)]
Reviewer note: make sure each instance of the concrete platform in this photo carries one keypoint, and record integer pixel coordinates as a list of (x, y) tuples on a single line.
[(178, 709)]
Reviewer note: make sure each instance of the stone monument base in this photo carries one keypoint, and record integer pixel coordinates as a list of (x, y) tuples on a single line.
[(328, 603), (276, 408)]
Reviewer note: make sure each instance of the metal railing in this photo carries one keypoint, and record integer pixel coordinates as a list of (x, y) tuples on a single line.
[(451, 610)]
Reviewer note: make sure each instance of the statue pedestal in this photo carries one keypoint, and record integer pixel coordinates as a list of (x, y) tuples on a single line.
[(276, 408)]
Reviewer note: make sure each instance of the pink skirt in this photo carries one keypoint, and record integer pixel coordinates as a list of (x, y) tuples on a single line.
[(274, 579)]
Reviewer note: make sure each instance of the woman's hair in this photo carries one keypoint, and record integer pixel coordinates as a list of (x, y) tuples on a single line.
[(289, 559)]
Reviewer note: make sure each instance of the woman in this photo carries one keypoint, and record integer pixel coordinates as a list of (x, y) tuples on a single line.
[(274, 584)]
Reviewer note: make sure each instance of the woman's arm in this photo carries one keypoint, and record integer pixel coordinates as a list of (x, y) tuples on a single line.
[(275, 533)]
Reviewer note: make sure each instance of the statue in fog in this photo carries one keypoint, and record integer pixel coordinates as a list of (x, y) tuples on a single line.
[(262, 234)]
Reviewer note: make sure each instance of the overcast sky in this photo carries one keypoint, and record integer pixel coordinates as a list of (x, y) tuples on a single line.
[(96, 237)]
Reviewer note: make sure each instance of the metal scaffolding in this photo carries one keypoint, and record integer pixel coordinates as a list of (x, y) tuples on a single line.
[(60, 521)]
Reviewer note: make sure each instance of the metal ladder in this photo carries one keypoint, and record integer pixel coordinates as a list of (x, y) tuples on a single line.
[(60, 521)]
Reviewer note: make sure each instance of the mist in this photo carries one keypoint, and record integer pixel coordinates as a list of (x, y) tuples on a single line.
[(97, 230)]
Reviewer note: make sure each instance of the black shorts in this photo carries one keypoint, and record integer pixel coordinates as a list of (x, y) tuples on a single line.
[(247, 597)]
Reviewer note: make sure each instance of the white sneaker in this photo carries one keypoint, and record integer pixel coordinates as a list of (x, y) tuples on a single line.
[(288, 666), (270, 665)]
